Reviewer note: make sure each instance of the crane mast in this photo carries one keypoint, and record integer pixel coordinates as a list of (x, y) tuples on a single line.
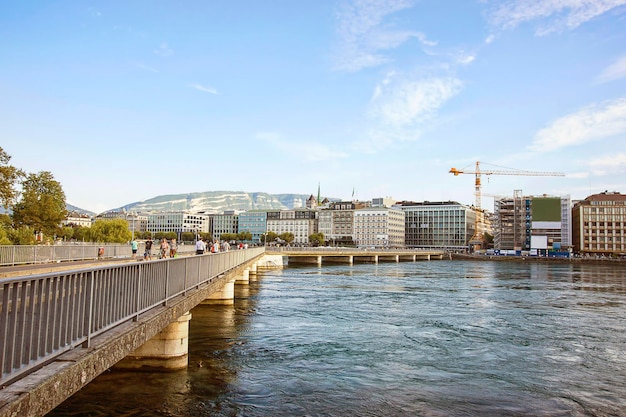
[(478, 237)]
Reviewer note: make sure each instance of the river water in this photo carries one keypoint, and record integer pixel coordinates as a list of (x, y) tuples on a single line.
[(438, 338)]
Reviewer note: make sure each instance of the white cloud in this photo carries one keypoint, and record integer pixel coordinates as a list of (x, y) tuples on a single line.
[(146, 67), (364, 37), (589, 124), (163, 50), (308, 151), (407, 103), (204, 89), (558, 15), (610, 164), (614, 71)]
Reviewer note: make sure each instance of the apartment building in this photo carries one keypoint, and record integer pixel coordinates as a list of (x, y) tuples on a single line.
[(337, 221), (301, 222), (599, 224), (379, 227)]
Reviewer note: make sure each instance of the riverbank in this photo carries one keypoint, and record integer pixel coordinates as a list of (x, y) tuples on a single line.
[(504, 258)]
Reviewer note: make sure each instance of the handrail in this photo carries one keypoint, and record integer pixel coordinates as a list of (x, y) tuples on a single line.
[(12, 255), (43, 316)]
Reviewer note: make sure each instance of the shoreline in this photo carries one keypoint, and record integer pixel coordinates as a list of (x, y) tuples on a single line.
[(505, 258)]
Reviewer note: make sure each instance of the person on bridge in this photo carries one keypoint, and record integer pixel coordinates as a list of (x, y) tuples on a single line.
[(134, 245), (173, 248), (200, 247), (148, 253), (165, 249)]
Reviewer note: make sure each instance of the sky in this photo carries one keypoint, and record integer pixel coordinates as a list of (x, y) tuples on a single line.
[(123, 101)]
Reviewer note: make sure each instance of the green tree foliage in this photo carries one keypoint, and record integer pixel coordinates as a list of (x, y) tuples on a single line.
[(244, 236), (269, 237), (82, 234), (23, 236), (67, 233), (4, 236), (110, 231), (287, 237), (9, 177), (316, 239), (188, 236), (42, 206), (228, 237)]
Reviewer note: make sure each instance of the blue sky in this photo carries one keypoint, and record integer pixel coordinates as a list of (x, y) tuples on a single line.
[(126, 100)]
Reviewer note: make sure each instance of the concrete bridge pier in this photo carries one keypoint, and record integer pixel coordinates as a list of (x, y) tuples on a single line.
[(223, 296), (253, 271), (244, 277), (167, 351)]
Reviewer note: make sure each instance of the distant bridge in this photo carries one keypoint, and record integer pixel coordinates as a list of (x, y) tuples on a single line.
[(332, 255)]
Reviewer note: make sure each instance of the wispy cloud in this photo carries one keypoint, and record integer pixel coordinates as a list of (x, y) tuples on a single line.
[(404, 103), (163, 50), (557, 15), (607, 165), (300, 150), (145, 67), (589, 124), (204, 89), (614, 71), (364, 37)]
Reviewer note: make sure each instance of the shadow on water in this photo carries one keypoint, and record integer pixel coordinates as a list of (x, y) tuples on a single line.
[(196, 391)]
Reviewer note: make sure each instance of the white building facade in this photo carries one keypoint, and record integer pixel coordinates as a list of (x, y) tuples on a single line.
[(379, 227)]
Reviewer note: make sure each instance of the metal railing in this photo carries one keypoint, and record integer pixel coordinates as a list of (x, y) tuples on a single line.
[(43, 316), (37, 254)]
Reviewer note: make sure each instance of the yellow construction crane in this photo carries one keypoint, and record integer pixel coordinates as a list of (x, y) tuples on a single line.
[(478, 234)]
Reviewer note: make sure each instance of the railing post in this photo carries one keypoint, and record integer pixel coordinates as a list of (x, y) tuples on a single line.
[(139, 289), (89, 309), (167, 282)]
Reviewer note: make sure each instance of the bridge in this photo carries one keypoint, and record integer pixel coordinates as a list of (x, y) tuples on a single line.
[(60, 330), (350, 256)]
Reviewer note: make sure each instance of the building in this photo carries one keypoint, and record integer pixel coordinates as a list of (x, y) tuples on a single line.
[(532, 223), (75, 218), (254, 222), (178, 222), (300, 222), (336, 222), (379, 227), (225, 223), (599, 224), (438, 225)]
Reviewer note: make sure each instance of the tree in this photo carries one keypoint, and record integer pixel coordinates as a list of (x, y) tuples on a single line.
[(9, 177), (228, 237), (81, 233), (316, 239), (244, 236), (287, 237), (110, 231), (42, 206), (188, 236), (67, 232), (22, 236)]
